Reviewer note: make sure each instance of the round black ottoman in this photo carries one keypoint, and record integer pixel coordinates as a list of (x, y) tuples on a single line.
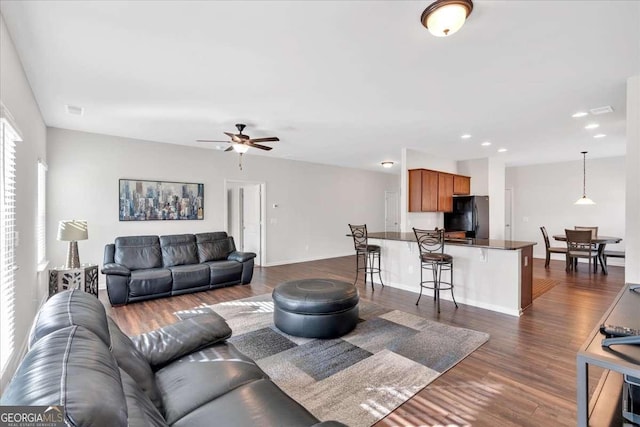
[(315, 308)]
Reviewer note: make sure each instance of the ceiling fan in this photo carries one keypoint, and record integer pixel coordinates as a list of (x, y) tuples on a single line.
[(241, 142)]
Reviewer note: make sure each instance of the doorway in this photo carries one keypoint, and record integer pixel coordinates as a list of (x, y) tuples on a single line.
[(508, 212), (245, 210), (391, 211)]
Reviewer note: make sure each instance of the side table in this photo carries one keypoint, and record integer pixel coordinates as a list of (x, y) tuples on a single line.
[(84, 278)]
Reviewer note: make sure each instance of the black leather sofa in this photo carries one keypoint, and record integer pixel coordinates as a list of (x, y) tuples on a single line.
[(184, 374), (144, 267)]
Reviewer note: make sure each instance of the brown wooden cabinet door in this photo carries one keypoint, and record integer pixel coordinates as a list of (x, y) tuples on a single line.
[(461, 185), (430, 191), (415, 190), (445, 192)]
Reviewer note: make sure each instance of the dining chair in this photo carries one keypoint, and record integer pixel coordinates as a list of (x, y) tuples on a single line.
[(368, 252), (548, 249), (579, 246)]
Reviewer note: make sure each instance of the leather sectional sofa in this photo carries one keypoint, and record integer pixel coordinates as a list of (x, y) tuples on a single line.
[(184, 374), (144, 267)]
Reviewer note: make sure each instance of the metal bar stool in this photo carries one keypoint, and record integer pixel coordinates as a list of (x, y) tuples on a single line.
[(433, 258), (369, 254)]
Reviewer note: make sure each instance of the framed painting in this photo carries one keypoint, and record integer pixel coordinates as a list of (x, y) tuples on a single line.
[(160, 200)]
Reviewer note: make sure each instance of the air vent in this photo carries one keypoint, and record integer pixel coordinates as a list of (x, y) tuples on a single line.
[(75, 110), (601, 110)]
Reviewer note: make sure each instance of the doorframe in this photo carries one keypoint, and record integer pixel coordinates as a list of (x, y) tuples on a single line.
[(397, 208), (263, 213), (510, 220)]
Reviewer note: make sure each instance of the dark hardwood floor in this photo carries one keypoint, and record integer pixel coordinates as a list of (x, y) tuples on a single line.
[(524, 376)]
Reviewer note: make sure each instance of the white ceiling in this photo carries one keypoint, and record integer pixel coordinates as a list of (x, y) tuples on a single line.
[(346, 83)]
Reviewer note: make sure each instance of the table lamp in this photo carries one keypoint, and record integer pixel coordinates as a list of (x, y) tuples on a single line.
[(71, 231)]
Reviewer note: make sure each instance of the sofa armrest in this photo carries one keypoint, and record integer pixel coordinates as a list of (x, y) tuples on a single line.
[(330, 424), (117, 269), (171, 342), (241, 256)]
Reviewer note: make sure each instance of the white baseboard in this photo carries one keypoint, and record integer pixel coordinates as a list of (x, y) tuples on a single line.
[(298, 260)]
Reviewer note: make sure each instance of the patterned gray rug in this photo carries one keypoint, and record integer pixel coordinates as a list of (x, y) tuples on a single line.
[(359, 378)]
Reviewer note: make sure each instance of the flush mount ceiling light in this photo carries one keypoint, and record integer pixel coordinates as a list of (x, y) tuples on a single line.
[(584, 200), (387, 164), (445, 17)]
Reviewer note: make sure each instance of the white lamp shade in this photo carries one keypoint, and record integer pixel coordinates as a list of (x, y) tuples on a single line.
[(72, 230), (240, 148), (446, 20), (584, 200)]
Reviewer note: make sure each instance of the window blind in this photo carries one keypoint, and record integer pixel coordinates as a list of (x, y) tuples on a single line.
[(8, 138), (42, 215)]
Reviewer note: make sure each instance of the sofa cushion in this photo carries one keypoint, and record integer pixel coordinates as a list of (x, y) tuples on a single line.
[(194, 380), (179, 249), (150, 282), (134, 363), (224, 271), (141, 410), (74, 368), (68, 308), (213, 246), (190, 276), (256, 403), (138, 252)]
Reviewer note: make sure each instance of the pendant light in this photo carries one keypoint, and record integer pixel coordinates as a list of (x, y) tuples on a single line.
[(445, 17), (584, 200)]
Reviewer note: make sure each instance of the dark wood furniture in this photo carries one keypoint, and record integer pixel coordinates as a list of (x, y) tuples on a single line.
[(369, 254), (605, 409), (579, 245), (613, 254), (550, 250), (601, 241), (433, 191)]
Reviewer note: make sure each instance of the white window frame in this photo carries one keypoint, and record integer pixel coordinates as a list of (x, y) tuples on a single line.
[(41, 219), (9, 136)]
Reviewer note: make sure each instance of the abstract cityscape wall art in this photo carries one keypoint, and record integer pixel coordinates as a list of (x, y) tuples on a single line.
[(160, 200)]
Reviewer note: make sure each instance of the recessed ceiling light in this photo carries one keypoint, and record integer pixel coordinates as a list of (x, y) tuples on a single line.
[(592, 126), (75, 110), (387, 164), (502, 150), (600, 135), (579, 114), (486, 144), (465, 136)]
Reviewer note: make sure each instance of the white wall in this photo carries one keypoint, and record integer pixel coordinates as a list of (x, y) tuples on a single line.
[(17, 97), (478, 170), (496, 183), (545, 195), (632, 267), (412, 159), (315, 202)]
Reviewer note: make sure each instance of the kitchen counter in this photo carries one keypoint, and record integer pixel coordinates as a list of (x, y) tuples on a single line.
[(474, 243), (495, 275)]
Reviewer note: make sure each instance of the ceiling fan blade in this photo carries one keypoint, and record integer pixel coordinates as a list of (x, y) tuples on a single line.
[(229, 149), (268, 139), (262, 147), (208, 140), (233, 137)]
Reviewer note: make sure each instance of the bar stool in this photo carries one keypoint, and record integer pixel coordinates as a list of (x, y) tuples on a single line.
[(368, 252), (433, 258)]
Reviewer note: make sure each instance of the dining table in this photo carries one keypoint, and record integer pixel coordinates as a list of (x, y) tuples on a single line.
[(601, 241)]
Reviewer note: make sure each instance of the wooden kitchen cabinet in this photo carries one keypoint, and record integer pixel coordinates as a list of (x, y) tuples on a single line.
[(461, 185), (445, 192), (423, 190), (432, 191)]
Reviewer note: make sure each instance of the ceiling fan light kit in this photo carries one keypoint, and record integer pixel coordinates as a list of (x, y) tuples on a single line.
[(584, 200), (445, 17)]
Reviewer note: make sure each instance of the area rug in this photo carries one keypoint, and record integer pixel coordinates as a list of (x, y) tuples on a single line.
[(359, 378), (540, 286)]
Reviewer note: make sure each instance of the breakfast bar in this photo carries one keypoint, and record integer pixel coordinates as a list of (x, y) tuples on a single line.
[(495, 275)]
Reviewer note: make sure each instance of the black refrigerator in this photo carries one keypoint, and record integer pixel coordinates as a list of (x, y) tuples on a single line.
[(471, 215)]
